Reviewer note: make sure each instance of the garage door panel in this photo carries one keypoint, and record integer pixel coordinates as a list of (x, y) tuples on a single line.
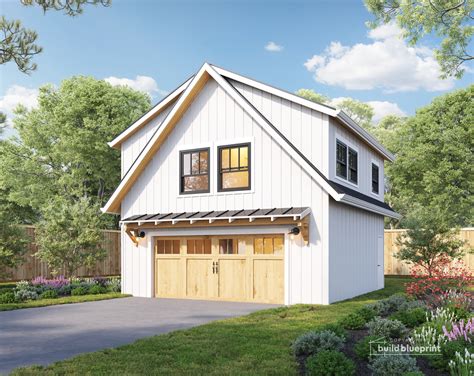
[(199, 278), (268, 280), (168, 277), (232, 279)]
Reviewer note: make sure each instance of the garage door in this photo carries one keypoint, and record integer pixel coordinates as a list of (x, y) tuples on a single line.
[(244, 268)]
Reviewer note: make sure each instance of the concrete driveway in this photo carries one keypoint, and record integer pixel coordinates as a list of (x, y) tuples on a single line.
[(45, 335)]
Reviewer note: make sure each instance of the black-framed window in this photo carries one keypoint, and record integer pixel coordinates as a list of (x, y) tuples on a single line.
[(233, 167), (375, 178), (352, 166), (194, 171), (346, 162), (341, 159)]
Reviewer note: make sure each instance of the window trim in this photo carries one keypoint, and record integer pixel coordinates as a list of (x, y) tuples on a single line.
[(374, 163), (181, 171), (349, 146), (249, 167)]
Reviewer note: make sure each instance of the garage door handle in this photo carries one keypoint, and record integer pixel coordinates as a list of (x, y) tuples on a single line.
[(215, 267)]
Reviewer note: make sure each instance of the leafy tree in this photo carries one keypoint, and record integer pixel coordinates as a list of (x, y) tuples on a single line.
[(3, 121), (434, 167), (69, 235), (449, 20), (429, 240), (13, 242), (62, 149), (18, 44), (361, 112), (312, 96)]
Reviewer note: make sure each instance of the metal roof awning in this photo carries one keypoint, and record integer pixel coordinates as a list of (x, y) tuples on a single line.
[(223, 215)]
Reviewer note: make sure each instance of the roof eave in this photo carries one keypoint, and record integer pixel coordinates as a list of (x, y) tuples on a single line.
[(347, 199)]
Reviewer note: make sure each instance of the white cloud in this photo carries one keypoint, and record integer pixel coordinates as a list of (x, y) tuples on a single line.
[(14, 96), (145, 84), (384, 108), (381, 108), (387, 63), (273, 47)]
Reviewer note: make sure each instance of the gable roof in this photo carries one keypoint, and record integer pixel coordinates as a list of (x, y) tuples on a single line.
[(192, 89), (167, 101)]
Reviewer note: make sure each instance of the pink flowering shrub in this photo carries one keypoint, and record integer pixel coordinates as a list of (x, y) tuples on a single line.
[(460, 330), (53, 283)]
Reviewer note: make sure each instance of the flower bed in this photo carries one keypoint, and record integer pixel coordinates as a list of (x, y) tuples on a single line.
[(42, 288), (394, 336)]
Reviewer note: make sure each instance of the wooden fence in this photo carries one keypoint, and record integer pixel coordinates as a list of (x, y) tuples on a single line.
[(33, 267), (393, 266)]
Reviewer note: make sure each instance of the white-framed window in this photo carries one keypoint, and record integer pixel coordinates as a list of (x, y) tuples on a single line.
[(347, 163)]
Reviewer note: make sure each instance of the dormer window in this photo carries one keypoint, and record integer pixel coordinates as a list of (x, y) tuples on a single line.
[(346, 162), (194, 167), (234, 167)]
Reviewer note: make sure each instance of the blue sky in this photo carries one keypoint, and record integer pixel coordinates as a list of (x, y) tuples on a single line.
[(167, 41)]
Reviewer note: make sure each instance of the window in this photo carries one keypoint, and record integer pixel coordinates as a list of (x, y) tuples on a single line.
[(231, 246), (352, 166), (375, 178), (198, 246), (234, 167), (341, 160), (346, 162), (272, 245), (194, 166), (167, 247)]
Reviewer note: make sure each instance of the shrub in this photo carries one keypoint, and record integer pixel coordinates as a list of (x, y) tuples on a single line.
[(24, 291), (312, 342), (386, 328), (54, 283), (114, 285), (101, 281), (462, 364), (410, 304), (7, 297), (49, 294), (367, 346), (79, 291), (448, 353), (65, 290), (460, 330), (335, 328), (426, 336), (388, 306), (367, 312), (353, 321), (411, 317), (457, 299), (393, 365), (329, 363), (97, 289)]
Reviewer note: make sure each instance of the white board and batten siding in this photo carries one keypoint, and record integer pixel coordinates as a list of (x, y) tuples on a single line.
[(355, 251), (277, 181)]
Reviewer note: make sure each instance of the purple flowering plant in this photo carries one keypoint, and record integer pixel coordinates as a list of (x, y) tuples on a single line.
[(54, 283), (460, 330)]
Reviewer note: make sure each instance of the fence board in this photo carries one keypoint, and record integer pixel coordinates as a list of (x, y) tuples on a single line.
[(33, 267), (394, 266)]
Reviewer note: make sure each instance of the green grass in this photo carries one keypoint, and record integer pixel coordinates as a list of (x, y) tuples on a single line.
[(256, 344), (62, 300)]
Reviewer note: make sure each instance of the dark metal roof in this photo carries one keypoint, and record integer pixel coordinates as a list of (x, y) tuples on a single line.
[(339, 188), (211, 216)]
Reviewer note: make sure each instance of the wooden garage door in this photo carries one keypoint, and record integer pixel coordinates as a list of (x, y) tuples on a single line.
[(245, 268)]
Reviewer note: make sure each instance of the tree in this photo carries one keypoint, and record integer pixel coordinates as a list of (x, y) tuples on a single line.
[(69, 235), (13, 242), (429, 240), (312, 96), (361, 112), (434, 166), (18, 44), (449, 20), (62, 148), (3, 121)]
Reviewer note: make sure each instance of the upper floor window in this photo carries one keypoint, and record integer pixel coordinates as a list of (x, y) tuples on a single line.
[(346, 162), (375, 178), (234, 167), (194, 167)]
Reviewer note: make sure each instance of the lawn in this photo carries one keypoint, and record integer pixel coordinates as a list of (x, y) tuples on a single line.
[(256, 344), (62, 300)]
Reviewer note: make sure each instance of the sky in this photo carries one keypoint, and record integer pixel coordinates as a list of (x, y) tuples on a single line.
[(154, 45)]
